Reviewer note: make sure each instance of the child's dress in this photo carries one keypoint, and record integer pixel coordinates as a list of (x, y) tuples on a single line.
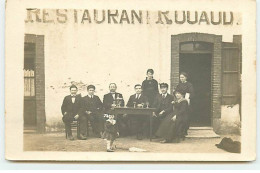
[(110, 130)]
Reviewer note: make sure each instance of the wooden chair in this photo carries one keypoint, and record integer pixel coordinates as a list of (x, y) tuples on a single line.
[(88, 127), (74, 126)]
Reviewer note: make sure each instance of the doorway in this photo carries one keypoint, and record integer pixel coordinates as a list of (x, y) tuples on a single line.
[(198, 67)]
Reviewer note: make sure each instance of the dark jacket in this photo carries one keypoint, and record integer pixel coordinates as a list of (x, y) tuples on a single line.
[(91, 104), (150, 89), (72, 109), (165, 104), (142, 100), (109, 99), (181, 110)]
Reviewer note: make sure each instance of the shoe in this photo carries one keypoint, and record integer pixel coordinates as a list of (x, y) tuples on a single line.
[(82, 137), (110, 150), (113, 148), (177, 140), (163, 141), (185, 133), (70, 137), (154, 137), (139, 137), (102, 135)]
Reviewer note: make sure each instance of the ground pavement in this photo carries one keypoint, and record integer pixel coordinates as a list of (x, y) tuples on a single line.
[(57, 142)]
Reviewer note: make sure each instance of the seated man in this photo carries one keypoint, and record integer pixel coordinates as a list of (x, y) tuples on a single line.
[(91, 110), (110, 101), (70, 110), (163, 105), (138, 122)]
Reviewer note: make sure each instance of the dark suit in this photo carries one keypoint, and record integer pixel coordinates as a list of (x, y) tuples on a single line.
[(162, 104), (69, 110), (95, 106), (139, 123), (109, 99)]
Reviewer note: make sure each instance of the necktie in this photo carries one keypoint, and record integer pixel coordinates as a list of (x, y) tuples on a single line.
[(163, 96)]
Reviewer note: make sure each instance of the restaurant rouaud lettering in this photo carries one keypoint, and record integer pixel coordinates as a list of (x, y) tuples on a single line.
[(85, 16)]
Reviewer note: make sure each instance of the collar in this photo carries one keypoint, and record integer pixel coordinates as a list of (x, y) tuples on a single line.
[(73, 95), (165, 94), (90, 96)]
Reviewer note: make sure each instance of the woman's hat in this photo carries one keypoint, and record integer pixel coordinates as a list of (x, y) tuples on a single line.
[(179, 91)]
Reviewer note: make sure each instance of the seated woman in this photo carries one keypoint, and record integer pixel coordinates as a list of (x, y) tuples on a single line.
[(173, 125), (188, 91)]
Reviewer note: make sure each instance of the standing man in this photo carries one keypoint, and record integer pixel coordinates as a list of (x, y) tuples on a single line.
[(163, 105), (110, 101), (70, 110), (91, 110), (138, 122)]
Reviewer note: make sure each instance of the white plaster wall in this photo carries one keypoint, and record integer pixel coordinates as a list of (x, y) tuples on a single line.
[(104, 53)]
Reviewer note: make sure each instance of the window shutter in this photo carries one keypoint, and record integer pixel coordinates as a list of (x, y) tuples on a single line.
[(230, 73)]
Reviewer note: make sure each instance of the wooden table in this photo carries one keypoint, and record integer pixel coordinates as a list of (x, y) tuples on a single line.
[(136, 111)]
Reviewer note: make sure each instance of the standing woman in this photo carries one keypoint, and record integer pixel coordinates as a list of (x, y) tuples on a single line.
[(186, 88), (150, 87)]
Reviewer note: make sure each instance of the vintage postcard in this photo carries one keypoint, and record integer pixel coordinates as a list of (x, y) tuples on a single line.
[(121, 80)]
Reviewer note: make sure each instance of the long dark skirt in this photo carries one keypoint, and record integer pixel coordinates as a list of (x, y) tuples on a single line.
[(167, 128)]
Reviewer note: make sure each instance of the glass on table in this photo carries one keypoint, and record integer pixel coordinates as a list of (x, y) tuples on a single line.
[(147, 104), (134, 104)]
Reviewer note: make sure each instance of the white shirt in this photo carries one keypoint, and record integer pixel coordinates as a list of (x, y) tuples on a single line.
[(114, 95), (90, 96), (73, 97), (137, 97), (164, 95)]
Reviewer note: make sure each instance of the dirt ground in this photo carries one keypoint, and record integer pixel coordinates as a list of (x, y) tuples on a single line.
[(57, 142)]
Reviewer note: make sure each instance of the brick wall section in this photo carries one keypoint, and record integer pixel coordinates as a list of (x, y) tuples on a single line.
[(216, 65), (216, 75), (174, 61), (40, 84)]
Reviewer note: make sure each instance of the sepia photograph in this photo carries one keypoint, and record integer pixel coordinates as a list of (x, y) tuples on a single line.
[(140, 82)]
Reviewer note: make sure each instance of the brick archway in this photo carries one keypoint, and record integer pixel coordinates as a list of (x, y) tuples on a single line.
[(216, 40)]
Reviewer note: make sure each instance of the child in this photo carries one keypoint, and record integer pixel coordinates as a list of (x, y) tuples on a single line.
[(111, 132)]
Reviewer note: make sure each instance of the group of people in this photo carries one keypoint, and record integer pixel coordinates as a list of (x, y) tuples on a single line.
[(170, 120)]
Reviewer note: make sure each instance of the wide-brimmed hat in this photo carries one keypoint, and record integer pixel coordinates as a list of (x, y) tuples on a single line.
[(179, 91)]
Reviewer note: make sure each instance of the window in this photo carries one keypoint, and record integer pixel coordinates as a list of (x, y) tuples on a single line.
[(29, 69), (196, 47)]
